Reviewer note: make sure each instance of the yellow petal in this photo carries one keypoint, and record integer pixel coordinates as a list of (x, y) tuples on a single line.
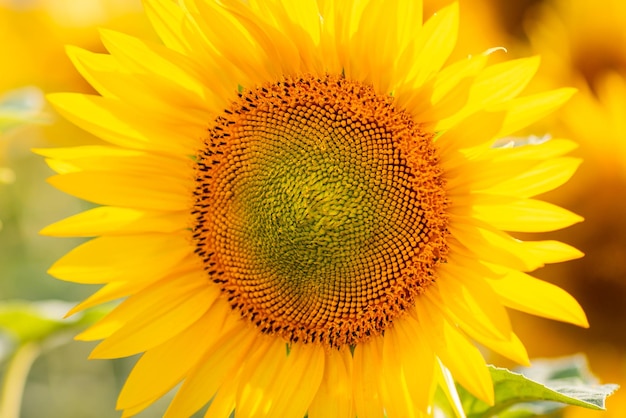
[(131, 412), (224, 402), (526, 110), (435, 113), (466, 364), (254, 395), (449, 77), (376, 59), (425, 57), (551, 148), (149, 92), (113, 188), (280, 54), (466, 175), (89, 151), (173, 309), (149, 380), (468, 297), (359, 64), (501, 82), (107, 158), (299, 380), (408, 369), (497, 84), (528, 294), (522, 215), (306, 16), (491, 245), (373, 60), (366, 379), (446, 94), (155, 62), (293, 42), (241, 52), (220, 362), (110, 220), (167, 18), (83, 60), (106, 259), (497, 247), (334, 397), (478, 129), (109, 292), (430, 324), (448, 386), (341, 21), (510, 347), (123, 125), (550, 251), (410, 19), (133, 307), (433, 46), (520, 169), (545, 176)]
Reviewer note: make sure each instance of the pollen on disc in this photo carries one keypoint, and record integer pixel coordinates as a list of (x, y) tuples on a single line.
[(320, 209)]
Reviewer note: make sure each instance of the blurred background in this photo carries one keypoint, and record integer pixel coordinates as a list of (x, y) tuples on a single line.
[(582, 44)]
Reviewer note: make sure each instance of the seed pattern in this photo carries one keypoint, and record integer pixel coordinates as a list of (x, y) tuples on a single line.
[(320, 209)]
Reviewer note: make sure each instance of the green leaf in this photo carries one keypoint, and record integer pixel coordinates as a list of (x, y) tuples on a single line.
[(36, 321), (26, 330), (543, 389)]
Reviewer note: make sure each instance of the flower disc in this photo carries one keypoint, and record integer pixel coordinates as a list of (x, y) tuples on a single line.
[(320, 209)]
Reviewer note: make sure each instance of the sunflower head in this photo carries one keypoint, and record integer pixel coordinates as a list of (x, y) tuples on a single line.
[(312, 175), (573, 38), (320, 209)]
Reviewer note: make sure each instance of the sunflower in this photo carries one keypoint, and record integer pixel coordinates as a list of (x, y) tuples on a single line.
[(573, 38), (579, 41), (303, 209)]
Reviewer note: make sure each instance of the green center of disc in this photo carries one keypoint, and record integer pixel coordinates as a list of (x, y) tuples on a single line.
[(308, 210)]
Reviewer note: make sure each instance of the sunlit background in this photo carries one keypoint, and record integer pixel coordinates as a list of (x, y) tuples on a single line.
[(582, 44)]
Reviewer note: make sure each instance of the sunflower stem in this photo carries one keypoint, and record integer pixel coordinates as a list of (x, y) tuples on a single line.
[(15, 379)]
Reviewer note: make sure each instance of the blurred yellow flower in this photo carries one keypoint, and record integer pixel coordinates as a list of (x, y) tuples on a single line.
[(579, 41), (597, 118), (304, 207), (582, 43)]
